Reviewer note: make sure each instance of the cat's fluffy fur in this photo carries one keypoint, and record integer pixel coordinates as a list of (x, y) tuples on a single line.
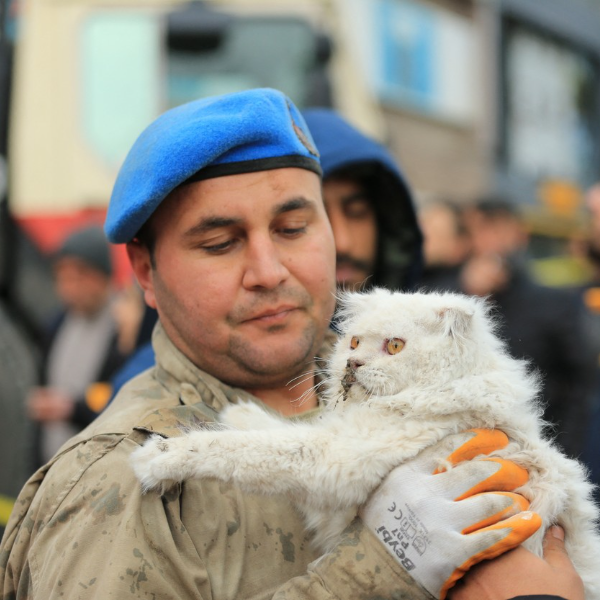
[(452, 374)]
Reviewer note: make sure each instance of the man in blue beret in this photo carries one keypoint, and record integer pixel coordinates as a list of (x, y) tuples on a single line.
[(219, 202)]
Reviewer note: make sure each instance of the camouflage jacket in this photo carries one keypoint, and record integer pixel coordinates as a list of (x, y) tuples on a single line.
[(82, 529)]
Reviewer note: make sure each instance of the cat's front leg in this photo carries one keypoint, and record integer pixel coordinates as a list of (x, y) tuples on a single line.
[(273, 461), (245, 416), (160, 462)]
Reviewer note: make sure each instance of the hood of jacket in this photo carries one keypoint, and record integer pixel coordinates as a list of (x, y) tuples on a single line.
[(342, 147)]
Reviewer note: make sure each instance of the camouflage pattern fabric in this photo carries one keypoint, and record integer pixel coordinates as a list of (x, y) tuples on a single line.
[(82, 529)]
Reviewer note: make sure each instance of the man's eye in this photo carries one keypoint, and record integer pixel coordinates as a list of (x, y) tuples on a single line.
[(292, 231), (219, 248), (358, 208)]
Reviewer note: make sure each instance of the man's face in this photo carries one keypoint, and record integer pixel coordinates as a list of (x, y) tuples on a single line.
[(81, 288), (244, 274), (501, 235), (354, 226), (443, 243)]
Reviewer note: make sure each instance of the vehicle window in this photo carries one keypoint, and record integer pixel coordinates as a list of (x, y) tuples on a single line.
[(120, 79), (130, 73), (255, 52)]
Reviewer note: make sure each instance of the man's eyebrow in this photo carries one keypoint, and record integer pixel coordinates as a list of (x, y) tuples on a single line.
[(294, 204), (209, 223), (362, 195)]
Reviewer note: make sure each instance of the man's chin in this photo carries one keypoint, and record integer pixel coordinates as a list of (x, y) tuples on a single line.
[(280, 357)]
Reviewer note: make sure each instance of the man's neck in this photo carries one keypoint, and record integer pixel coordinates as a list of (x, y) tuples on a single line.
[(289, 401)]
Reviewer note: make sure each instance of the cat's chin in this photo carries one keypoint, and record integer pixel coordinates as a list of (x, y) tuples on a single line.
[(357, 394)]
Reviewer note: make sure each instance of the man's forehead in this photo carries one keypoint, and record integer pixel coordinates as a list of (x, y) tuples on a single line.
[(266, 188), (344, 190)]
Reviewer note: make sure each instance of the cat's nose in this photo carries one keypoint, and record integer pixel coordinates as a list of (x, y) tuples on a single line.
[(354, 364)]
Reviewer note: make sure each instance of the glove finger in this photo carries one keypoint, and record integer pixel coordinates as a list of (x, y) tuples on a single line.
[(507, 478), (492, 507), (492, 541), (476, 477), (482, 441), (475, 513), (474, 441)]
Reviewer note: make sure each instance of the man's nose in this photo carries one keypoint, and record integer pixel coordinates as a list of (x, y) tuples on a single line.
[(264, 267)]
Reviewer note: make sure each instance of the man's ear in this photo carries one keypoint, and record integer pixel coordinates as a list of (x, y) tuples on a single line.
[(141, 263)]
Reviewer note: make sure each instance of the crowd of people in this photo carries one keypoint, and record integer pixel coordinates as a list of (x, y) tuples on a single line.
[(86, 343), (482, 249), (250, 215)]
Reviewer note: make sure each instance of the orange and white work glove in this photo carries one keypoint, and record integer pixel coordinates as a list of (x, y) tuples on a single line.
[(438, 523)]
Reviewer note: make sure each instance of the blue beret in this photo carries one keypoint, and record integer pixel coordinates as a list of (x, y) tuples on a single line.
[(249, 131)]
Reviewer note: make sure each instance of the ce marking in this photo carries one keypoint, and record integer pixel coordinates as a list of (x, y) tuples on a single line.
[(395, 509)]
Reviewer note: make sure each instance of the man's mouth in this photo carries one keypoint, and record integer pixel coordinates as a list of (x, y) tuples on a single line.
[(271, 314)]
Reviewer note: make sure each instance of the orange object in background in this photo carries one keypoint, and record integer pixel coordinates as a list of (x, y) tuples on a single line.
[(591, 297)]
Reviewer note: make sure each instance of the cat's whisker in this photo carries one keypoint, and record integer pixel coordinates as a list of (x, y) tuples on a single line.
[(306, 394), (306, 377)]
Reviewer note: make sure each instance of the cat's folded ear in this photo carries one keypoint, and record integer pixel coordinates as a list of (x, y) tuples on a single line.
[(456, 321), (352, 304)]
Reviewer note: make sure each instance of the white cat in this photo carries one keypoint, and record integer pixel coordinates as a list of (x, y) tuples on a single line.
[(408, 370)]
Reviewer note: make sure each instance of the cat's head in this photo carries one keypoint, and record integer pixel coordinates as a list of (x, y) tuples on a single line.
[(390, 341)]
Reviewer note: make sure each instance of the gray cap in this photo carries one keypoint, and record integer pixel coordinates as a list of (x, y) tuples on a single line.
[(89, 245)]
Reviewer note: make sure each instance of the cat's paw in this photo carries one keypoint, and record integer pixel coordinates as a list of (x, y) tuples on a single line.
[(156, 464), (245, 416)]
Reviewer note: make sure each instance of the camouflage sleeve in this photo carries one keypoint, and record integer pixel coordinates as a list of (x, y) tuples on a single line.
[(88, 533), (91, 534), (358, 567)]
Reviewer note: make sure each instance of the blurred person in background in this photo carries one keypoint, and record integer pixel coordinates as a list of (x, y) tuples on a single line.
[(141, 356), (544, 325), (82, 346), (591, 297), (445, 245), (369, 205), (128, 312)]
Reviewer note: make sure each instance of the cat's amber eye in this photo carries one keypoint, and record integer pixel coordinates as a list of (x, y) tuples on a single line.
[(394, 345), (354, 342)]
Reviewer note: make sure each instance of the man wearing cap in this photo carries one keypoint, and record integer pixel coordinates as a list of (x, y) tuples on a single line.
[(370, 209), (82, 346), (219, 202)]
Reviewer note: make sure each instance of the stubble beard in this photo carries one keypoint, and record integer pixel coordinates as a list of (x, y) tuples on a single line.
[(264, 367), (276, 366)]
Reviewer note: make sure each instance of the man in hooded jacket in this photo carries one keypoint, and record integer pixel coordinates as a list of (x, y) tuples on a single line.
[(369, 204)]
